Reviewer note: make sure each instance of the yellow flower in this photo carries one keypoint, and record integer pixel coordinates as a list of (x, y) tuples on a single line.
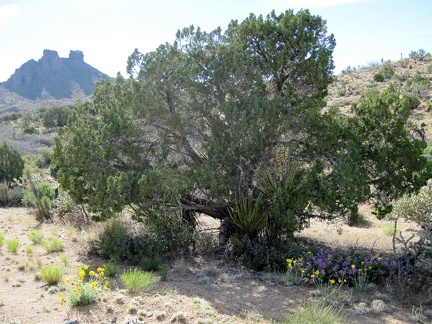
[(68, 280), (332, 281), (92, 273), (317, 272), (85, 267), (105, 288), (308, 252), (74, 290), (345, 280), (370, 267), (94, 284), (353, 266), (289, 260), (102, 273), (312, 276)]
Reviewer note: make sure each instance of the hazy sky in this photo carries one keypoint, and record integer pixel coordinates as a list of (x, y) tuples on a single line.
[(107, 31)]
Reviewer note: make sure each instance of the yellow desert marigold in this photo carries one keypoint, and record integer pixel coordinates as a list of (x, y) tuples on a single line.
[(92, 273), (94, 284), (85, 267), (332, 281), (100, 269), (68, 280)]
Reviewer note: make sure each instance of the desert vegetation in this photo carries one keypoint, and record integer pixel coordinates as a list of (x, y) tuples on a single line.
[(210, 162)]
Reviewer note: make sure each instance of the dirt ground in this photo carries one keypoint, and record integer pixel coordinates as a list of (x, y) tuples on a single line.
[(197, 290)]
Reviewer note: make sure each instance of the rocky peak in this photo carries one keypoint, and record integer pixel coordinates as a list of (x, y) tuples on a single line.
[(54, 76)]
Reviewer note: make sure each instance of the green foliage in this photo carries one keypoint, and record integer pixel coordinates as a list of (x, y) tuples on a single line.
[(39, 193), (2, 236), (112, 241), (53, 244), (249, 217), (110, 269), (56, 117), (378, 77), (196, 124), (36, 236), (51, 274), (44, 159), (412, 100), (429, 68), (416, 207), (11, 163), (257, 254), (12, 245), (387, 70), (316, 313), (138, 280)]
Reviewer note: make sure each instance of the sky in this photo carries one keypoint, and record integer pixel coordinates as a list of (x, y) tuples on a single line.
[(108, 31)]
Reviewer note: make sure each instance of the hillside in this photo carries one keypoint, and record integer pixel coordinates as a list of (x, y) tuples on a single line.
[(52, 77), (409, 76)]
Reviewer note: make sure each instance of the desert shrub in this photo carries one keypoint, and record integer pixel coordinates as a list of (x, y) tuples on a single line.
[(2, 236), (11, 163), (417, 208), (256, 254), (378, 77), (44, 157), (412, 100), (429, 68), (315, 313), (370, 92), (12, 245), (387, 71), (110, 269), (138, 280), (56, 117), (53, 244), (10, 196), (39, 193), (51, 274), (111, 244), (337, 266), (36, 236)]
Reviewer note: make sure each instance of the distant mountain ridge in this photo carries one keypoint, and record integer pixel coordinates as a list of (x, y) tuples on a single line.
[(53, 77)]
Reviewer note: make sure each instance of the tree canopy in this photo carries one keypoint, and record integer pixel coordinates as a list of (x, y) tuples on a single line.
[(232, 123)]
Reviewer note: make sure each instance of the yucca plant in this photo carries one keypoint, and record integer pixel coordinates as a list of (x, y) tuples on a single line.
[(250, 216)]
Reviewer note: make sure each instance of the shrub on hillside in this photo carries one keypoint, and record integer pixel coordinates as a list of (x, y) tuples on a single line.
[(11, 164), (378, 77), (412, 100)]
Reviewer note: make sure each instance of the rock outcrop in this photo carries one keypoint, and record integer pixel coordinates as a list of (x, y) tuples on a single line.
[(54, 77)]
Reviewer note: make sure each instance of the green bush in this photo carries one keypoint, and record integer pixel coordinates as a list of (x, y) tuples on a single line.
[(35, 236), (12, 245), (429, 68), (51, 274), (11, 164), (138, 280), (56, 117), (2, 236), (44, 158), (111, 244), (53, 244), (43, 189), (387, 71), (378, 77), (412, 100)]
